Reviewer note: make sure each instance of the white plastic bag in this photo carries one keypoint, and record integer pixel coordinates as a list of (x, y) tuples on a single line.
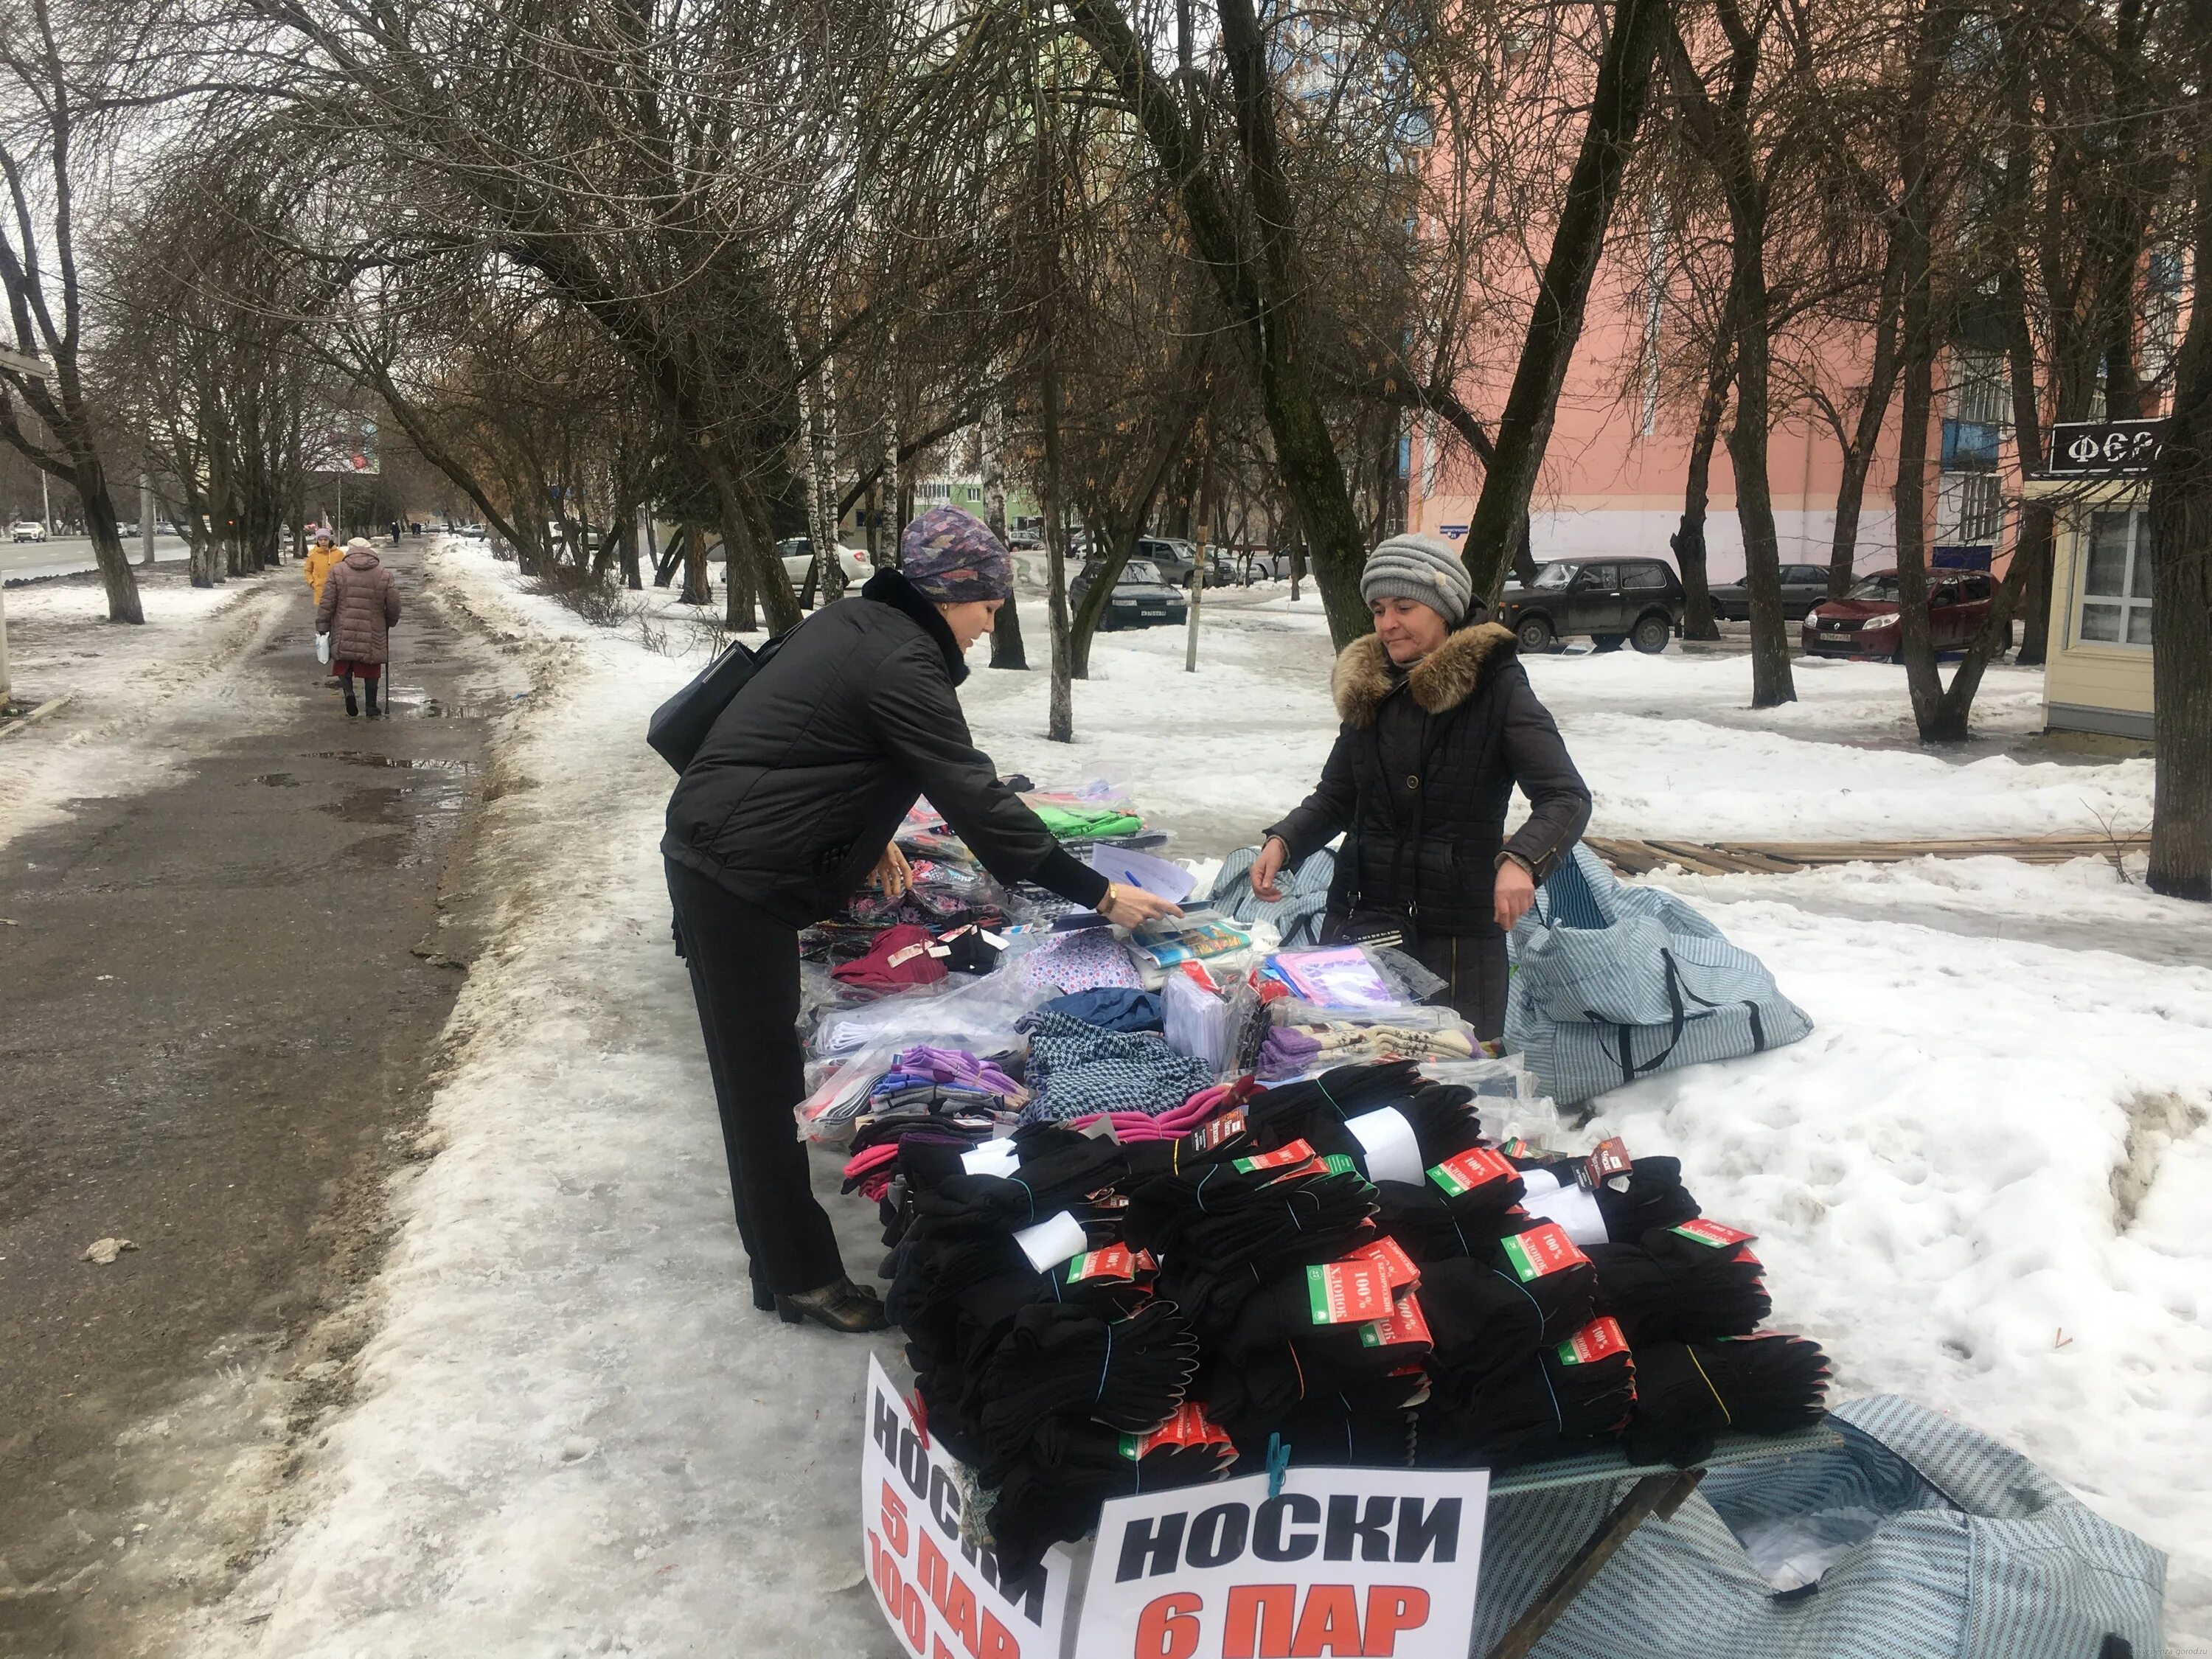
[(322, 647)]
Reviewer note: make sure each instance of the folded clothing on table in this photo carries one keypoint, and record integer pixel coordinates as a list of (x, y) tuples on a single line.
[(1075, 1069)]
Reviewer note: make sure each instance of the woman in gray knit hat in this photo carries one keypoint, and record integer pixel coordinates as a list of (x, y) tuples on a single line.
[(1439, 727)]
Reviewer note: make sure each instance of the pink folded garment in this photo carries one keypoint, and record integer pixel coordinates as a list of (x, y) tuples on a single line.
[(861, 1163)]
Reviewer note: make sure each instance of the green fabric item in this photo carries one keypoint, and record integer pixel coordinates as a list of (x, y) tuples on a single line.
[(1088, 823)]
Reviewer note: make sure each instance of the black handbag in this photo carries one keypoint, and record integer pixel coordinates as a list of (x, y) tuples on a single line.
[(680, 725)]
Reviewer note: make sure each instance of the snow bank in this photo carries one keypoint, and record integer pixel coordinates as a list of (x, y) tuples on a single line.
[(1980, 1182), (576, 1434), (1668, 745), (143, 700)]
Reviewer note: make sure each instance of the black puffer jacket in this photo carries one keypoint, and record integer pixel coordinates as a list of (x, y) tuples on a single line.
[(1423, 771), (806, 777)]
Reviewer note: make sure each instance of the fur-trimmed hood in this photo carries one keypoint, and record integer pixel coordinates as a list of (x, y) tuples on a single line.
[(1442, 680)]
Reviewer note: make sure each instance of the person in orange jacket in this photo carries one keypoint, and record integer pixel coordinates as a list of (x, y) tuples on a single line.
[(322, 557)]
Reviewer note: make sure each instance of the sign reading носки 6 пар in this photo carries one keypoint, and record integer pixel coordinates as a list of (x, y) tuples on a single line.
[(1378, 1562)]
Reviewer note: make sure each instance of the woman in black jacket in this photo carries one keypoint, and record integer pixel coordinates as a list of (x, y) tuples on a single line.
[(1439, 724), (790, 803)]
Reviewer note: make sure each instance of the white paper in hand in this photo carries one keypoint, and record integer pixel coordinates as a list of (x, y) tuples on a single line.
[(1155, 876), (1052, 1241)]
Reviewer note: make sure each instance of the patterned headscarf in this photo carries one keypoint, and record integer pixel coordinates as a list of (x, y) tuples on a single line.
[(952, 557)]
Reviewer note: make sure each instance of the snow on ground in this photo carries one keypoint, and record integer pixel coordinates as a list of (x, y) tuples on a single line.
[(1668, 745), (144, 700), (1980, 1182)]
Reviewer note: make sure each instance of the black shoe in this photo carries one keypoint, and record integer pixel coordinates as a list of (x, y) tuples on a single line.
[(352, 707), (374, 713), (842, 1306), (763, 1297)]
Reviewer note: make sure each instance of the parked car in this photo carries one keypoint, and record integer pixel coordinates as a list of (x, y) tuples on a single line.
[(474, 532), (1638, 601), (1869, 621), (127, 529), (1174, 560), (1141, 597), (29, 529), (798, 556), (1803, 587)]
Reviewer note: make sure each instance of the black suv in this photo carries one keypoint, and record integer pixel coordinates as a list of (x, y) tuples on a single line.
[(1612, 600), (1803, 587)]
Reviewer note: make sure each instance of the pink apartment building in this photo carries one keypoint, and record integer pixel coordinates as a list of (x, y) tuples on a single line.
[(1619, 456)]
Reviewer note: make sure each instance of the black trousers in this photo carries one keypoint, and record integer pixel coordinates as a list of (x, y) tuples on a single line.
[(1477, 970), (744, 977)]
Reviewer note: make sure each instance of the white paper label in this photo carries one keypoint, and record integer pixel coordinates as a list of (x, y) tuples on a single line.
[(993, 1157), (1573, 1207), (1052, 1241), (1392, 1153)]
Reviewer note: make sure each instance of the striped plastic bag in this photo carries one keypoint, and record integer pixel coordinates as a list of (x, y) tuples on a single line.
[(1611, 984)]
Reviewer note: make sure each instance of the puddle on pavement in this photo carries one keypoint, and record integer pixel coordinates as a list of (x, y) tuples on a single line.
[(384, 851), (277, 780), (372, 806), (420, 762)]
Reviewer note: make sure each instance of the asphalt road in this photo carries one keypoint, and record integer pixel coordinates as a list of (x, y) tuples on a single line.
[(65, 555), (219, 1003)]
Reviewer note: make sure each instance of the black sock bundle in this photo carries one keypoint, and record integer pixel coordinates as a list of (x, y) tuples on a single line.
[(1648, 1194), (1687, 1393), (1694, 1283), (1484, 1318), (1445, 1122), (1226, 1216), (1055, 1361), (1363, 1425), (1052, 1493), (1557, 1400), (1061, 1178)]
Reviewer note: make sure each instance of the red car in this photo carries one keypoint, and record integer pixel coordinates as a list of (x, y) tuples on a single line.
[(1866, 622)]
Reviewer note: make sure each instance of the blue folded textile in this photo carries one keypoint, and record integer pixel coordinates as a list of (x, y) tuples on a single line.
[(1110, 1008)]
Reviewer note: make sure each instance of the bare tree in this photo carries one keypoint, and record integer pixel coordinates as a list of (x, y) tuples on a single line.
[(55, 114)]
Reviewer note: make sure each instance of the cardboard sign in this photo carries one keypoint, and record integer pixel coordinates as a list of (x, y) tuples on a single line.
[(942, 1596), (1373, 1562)]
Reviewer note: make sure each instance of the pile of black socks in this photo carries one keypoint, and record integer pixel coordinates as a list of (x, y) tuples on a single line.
[(1249, 1289)]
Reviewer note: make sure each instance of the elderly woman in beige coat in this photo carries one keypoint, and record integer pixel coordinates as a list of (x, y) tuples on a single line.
[(360, 604)]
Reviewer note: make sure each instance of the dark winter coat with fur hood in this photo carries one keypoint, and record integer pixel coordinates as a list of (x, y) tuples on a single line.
[(1424, 768)]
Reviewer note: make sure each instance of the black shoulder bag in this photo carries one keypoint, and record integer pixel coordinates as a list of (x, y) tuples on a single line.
[(680, 725)]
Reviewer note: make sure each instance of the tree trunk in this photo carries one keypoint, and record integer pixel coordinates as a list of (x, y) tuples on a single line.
[(1060, 723), (1770, 682), (1917, 643), (1698, 621), (1007, 650), (1866, 434), (632, 577), (2181, 576), (115, 574), (1623, 89), (697, 588), (2032, 545)]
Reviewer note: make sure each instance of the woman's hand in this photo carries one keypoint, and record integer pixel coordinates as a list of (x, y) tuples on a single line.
[(1268, 866), (1128, 907), (1514, 892), (893, 877)]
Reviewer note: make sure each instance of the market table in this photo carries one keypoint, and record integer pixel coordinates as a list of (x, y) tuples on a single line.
[(1660, 1490)]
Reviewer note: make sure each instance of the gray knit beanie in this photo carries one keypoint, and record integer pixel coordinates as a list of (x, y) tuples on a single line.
[(1423, 568)]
